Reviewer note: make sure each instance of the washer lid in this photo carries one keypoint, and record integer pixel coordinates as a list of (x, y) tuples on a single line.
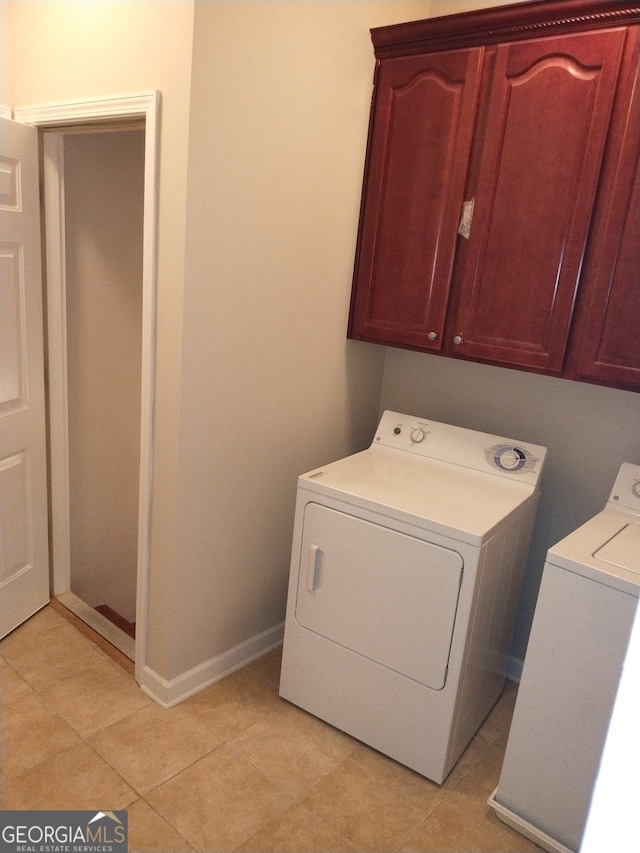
[(605, 549), (624, 549)]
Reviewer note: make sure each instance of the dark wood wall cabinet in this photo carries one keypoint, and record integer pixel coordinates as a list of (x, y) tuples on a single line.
[(499, 219)]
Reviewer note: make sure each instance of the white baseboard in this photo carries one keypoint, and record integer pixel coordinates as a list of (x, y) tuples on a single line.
[(170, 693)]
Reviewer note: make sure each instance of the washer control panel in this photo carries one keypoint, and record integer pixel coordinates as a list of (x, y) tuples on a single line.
[(460, 446), (626, 489)]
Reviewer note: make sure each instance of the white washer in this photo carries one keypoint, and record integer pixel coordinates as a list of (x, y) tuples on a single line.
[(580, 632), (405, 575)]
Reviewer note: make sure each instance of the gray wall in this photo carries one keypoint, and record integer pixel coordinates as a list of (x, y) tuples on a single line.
[(589, 431)]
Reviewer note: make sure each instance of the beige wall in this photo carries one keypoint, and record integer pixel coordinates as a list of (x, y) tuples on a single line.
[(280, 96), (268, 385), (279, 114), (104, 194), (280, 99), (268, 110), (61, 51)]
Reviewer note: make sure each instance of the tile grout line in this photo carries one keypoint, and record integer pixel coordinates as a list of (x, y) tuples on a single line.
[(489, 744)]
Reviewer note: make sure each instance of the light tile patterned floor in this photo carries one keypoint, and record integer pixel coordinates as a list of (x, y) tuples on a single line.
[(233, 768)]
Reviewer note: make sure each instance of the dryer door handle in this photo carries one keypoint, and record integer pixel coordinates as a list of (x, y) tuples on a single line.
[(314, 568)]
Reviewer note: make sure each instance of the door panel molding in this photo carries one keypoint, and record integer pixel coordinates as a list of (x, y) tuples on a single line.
[(24, 557)]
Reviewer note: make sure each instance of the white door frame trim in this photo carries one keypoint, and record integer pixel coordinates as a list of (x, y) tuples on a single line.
[(145, 105)]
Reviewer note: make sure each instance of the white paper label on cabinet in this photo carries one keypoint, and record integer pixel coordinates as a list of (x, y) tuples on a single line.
[(464, 229)]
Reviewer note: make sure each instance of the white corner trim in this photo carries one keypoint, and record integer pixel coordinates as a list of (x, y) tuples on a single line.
[(83, 111), (5, 111), (170, 693)]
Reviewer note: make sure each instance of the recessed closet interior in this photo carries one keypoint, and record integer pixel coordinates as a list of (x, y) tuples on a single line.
[(103, 223)]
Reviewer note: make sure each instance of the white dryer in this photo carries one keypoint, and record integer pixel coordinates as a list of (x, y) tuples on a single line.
[(579, 636), (405, 574)]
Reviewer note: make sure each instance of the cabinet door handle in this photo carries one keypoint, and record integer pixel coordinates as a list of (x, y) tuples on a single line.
[(464, 229), (433, 336), (458, 340)]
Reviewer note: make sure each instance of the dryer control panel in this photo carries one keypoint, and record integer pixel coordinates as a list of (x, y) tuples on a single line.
[(459, 446)]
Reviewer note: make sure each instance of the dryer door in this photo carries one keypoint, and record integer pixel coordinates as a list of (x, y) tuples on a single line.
[(379, 592)]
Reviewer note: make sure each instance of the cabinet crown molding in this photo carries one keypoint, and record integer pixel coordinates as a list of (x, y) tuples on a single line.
[(502, 24)]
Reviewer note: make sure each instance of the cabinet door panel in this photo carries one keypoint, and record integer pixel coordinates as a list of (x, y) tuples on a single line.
[(419, 145), (611, 343), (549, 107)]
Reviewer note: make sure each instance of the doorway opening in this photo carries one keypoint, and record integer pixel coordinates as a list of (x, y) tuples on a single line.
[(99, 163), (103, 242)]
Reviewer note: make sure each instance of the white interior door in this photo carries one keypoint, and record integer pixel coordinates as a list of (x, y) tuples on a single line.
[(24, 558)]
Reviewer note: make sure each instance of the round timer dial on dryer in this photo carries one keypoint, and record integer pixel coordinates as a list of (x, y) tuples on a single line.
[(418, 434), (506, 457)]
